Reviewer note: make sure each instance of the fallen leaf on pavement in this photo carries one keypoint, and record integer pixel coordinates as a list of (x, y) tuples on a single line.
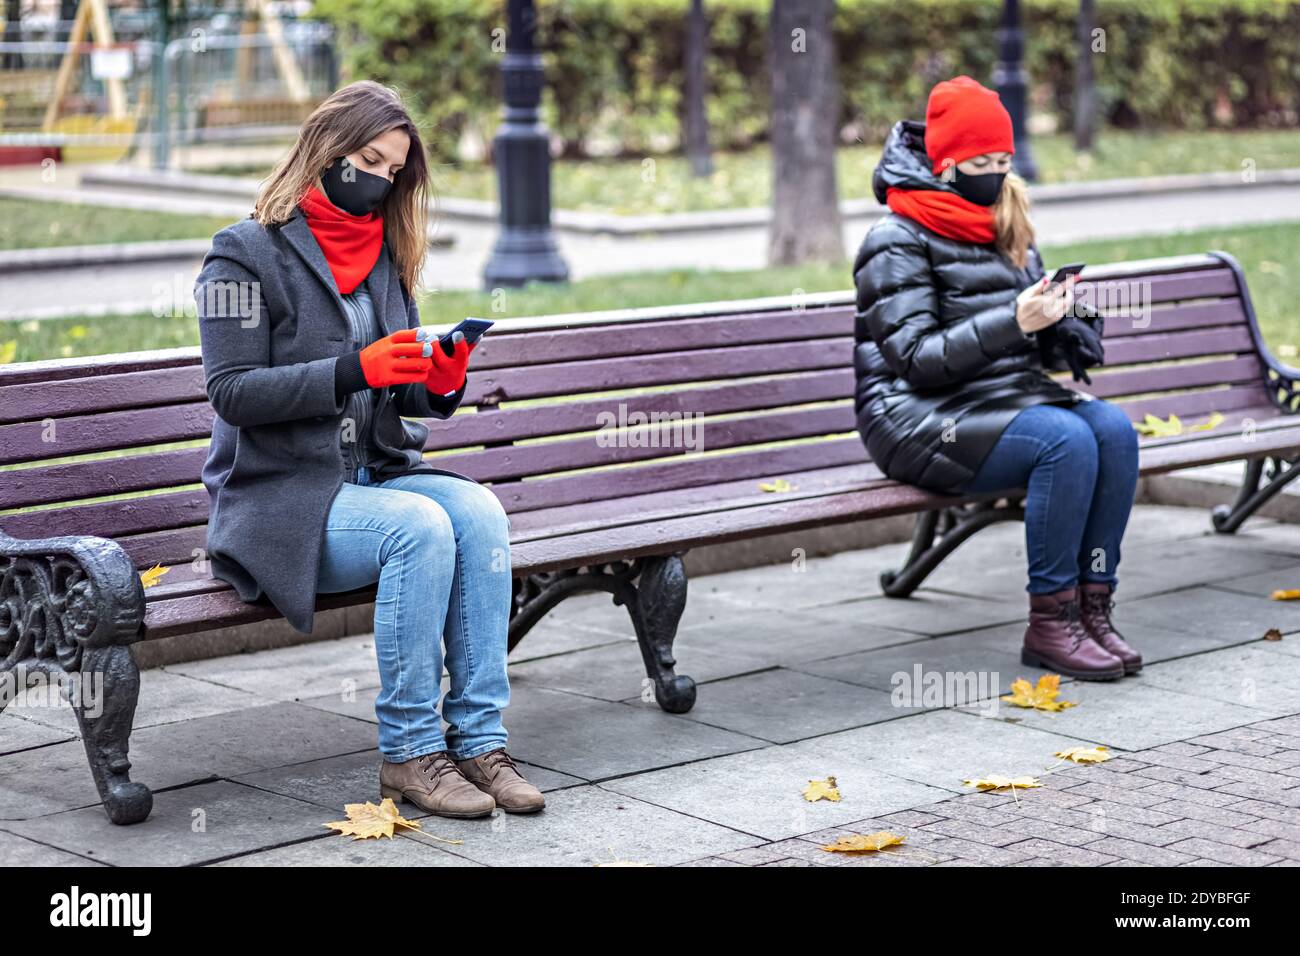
[(822, 790), (996, 782), (864, 842), (1272, 634), (1038, 697), (365, 820), (1085, 754)]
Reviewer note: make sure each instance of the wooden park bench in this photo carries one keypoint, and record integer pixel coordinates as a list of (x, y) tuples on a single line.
[(598, 501)]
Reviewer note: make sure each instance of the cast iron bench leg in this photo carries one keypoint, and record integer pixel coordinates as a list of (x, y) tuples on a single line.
[(952, 526), (652, 589), (70, 608), (1279, 473)]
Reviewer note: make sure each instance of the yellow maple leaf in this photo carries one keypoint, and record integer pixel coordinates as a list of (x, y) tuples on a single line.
[(1160, 428), (1085, 754), (1285, 594), (150, 578), (779, 486), (1040, 697), (997, 782), (864, 842), (365, 820), (826, 789)]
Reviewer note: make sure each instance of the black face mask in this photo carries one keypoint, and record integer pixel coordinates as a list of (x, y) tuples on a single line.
[(981, 189), (353, 190)]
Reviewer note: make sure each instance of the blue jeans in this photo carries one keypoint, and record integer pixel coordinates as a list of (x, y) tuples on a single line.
[(1080, 467), (439, 548)]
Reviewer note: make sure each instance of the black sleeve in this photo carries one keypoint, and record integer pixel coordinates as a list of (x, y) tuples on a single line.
[(348, 376)]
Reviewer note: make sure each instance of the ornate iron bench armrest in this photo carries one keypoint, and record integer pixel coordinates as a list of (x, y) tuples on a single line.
[(70, 607)]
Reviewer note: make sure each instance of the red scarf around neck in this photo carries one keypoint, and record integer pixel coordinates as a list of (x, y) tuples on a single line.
[(945, 213), (351, 243)]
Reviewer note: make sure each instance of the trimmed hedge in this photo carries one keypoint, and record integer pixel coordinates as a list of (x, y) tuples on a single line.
[(614, 67)]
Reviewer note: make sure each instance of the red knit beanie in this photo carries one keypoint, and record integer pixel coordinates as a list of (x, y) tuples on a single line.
[(964, 119)]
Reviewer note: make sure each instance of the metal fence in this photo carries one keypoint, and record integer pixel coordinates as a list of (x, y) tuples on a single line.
[(222, 80)]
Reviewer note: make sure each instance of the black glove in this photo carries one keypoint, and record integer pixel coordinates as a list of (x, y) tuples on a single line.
[(1081, 345)]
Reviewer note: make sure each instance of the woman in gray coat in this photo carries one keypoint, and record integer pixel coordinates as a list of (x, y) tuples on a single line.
[(308, 326)]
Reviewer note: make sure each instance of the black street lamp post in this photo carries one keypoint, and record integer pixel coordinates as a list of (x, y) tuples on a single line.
[(1011, 81), (525, 249)]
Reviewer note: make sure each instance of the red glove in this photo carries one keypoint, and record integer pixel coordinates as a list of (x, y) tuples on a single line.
[(448, 372), (393, 360)]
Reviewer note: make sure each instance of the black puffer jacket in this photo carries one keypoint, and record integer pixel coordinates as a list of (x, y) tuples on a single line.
[(942, 366)]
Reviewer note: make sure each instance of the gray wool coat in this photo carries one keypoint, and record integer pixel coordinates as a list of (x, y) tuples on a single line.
[(271, 327)]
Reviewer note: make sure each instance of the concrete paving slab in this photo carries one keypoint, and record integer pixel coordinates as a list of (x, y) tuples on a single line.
[(188, 825), (339, 850), (1249, 676), (20, 733), (782, 706), (1133, 714), (1226, 617), (165, 698), (596, 739), (761, 791), (20, 851), (292, 673), (586, 826)]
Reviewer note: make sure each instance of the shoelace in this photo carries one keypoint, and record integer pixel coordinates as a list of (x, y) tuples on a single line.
[(1071, 615), (436, 765), (498, 758), (1096, 611)]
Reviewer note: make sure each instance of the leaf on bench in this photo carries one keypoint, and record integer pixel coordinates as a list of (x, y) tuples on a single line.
[(822, 790), (1159, 428), (864, 842), (778, 486), (153, 575), (1038, 697)]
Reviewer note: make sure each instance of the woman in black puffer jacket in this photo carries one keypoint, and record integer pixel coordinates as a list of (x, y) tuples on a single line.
[(954, 323)]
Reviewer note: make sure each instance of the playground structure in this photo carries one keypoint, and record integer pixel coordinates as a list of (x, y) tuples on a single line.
[(120, 78)]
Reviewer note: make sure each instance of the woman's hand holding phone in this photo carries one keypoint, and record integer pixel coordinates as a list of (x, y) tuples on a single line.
[(447, 373), (1044, 303), (394, 360)]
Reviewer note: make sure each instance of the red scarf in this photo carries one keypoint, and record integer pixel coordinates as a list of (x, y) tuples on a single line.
[(351, 243), (945, 213)]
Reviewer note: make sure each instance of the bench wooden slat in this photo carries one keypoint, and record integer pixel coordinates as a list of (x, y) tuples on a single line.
[(494, 425), (36, 401), (1177, 345), (504, 348), (1169, 287), (1231, 371), (109, 431), (1178, 317), (667, 368), (519, 461), (23, 487), (110, 519)]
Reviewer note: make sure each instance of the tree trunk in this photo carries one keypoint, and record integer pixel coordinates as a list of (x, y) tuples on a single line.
[(805, 111), (697, 121), (1085, 84), (12, 34)]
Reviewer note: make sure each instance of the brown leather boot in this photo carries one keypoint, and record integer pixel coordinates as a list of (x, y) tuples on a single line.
[(1057, 640), (433, 782), (495, 773), (1095, 605)]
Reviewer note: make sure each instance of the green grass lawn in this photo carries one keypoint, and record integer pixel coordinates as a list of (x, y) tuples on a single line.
[(1268, 254), (32, 224), (664, 184)]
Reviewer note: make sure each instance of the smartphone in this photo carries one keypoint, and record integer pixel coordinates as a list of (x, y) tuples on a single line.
[(1063, 273), (472, 329)]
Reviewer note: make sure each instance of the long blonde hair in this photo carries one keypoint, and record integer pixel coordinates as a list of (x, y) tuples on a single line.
[(1014, 232), (351, 117)]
